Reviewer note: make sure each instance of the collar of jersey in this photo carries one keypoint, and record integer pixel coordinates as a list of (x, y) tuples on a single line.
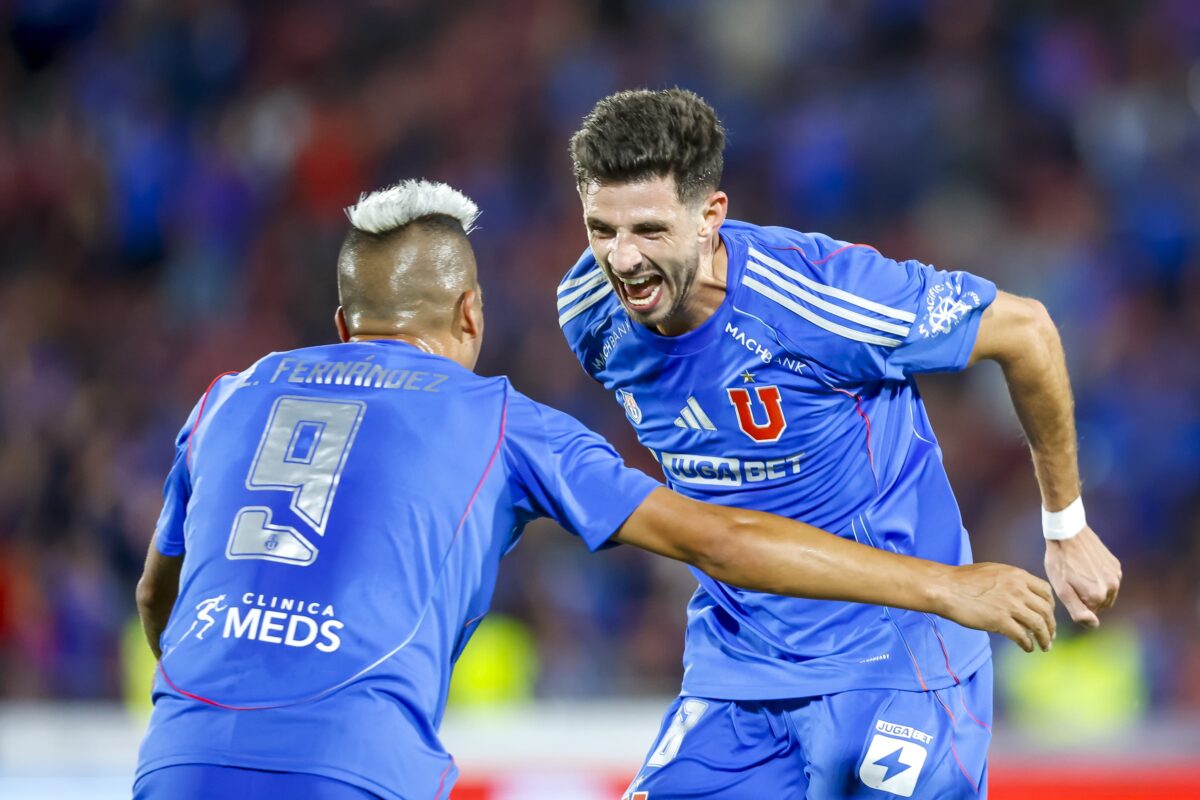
[(710, 330), (408, 349)]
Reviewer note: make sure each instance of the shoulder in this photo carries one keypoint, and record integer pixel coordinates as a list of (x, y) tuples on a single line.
[(814, 288), (544, 432), (586, 302), (526, 416), (820, 258), (519, 409), (813, 261), (529, 430), (786, 242)]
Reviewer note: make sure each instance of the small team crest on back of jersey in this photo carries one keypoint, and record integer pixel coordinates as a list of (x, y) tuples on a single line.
[(632, 409)]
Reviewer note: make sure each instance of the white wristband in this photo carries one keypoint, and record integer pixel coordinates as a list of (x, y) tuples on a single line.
[(1065, 524)]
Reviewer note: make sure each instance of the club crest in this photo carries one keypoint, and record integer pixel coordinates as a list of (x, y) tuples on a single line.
[(632, 409)]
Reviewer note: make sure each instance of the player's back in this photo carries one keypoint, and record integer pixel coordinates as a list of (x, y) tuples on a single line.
[(332, 563)]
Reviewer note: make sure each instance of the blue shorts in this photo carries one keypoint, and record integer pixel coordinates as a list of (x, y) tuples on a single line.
[(208, 781), (869, 743)]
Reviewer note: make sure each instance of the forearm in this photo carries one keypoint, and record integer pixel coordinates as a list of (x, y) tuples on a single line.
[(154, 615), (1018, 334), (156, 594), (770, 554), (1041, 394)]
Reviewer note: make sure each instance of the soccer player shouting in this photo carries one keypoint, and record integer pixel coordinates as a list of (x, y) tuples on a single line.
[(771, 369), (335, 518)]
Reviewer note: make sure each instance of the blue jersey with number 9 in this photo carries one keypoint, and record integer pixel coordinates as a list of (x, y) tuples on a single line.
[(342, 512)]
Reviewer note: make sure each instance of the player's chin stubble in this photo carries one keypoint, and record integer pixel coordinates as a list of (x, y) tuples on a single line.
[(678, 291)]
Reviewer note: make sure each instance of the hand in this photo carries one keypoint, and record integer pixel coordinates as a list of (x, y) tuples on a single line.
[(1001, 599), (1084, 574)]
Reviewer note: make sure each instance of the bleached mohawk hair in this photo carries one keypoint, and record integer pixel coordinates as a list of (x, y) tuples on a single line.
[(394, 207)]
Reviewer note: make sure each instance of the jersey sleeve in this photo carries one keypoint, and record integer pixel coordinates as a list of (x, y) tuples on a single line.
[(867, 317), (177, 490), (584, 299), (564, 471), (949, 308)]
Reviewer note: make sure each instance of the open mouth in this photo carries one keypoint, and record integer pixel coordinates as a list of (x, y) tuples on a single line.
[(641, 293)]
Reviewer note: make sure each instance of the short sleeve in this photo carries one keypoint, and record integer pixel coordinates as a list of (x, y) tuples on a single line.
[(177, 490), (564, 471), (867, 317), (585, 302), (948, 308)]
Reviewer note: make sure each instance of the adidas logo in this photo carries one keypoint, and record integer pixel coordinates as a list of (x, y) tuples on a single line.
[(693, 416)]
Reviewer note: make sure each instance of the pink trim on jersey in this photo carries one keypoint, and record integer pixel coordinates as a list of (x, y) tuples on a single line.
[(442, 780), (963, 702), (945, 651), (945, 707), (200, 413), (911, 655), (163, 671), (953, 749), (858, 407), (486, 470), (900, 633), (819, 262), (967, 775), (962, 698), (478, 486)]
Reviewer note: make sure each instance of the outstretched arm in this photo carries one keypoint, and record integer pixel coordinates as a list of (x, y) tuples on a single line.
[(766, 553), (1019, 335), (156, 593)]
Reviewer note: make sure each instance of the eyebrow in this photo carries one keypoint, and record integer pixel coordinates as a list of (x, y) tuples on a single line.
[(651, 226)]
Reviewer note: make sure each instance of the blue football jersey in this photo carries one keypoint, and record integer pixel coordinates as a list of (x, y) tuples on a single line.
[(342, 512), (797, 398)]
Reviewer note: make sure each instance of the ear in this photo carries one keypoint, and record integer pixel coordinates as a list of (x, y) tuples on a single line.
[(339, 321), (712, 214), (468, 314)]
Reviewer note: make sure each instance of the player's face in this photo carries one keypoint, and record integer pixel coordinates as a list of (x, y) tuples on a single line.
[(646, 241)]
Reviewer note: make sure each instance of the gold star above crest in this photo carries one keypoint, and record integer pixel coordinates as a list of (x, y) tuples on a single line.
[(747, 377)]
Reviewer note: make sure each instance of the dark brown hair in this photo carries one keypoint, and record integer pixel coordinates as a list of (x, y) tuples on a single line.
[(634, 135)]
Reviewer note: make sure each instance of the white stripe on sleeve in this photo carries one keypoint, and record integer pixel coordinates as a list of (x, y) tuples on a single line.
[(836, 310), (584, 278), (816, 319), (584, 304), (584, 288), (831, 291)]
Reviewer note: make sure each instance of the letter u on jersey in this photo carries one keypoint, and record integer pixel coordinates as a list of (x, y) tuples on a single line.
[(769, 397)]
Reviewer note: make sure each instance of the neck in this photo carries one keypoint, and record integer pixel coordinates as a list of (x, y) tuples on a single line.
[(425, 344), (706, 293)]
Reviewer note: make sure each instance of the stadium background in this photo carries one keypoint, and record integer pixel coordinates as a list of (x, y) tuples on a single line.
[(171, 182)]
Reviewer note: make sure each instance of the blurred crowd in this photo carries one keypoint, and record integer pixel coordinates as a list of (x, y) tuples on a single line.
[(172, 176)]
